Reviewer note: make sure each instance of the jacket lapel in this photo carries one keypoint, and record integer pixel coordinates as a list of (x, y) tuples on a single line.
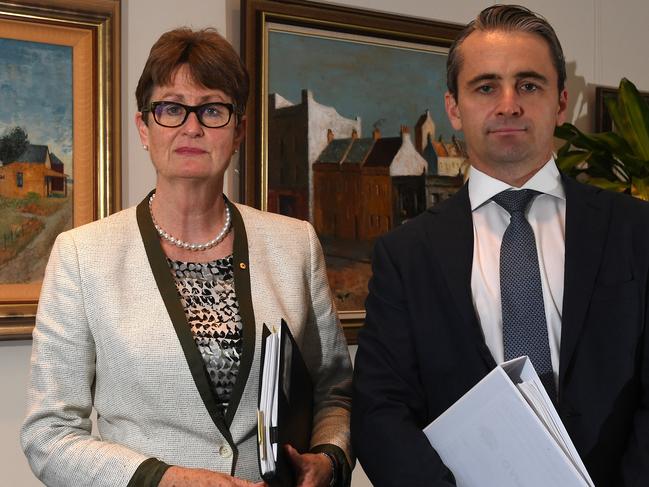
[(241, 263), (586, 231), (169, 294), (452, 239)]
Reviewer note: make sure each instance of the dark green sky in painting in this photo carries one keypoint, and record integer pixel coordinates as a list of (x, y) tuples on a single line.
[(392, 86)]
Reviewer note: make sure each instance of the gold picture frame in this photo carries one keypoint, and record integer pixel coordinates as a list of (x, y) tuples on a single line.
[(92, 30), (304, 19)]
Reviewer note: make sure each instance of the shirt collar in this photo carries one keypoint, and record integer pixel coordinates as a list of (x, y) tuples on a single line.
[(483, 187)]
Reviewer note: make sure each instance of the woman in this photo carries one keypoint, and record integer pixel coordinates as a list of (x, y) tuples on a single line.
[(154, 315)]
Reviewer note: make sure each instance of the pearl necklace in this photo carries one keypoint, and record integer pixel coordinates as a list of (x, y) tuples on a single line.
[(192, 246)]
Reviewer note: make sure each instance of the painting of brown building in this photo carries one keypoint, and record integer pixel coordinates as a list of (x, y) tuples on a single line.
[(297, 135), (352, 188), (328, 185), (337, 186), (364, 187)]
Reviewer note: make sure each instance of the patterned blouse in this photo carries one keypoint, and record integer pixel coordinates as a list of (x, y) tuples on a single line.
[(207, 294)]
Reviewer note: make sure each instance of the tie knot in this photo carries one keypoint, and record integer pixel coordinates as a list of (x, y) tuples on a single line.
[(515, 200)]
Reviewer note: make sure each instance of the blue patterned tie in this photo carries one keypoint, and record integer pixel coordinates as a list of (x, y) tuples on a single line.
[(525, 330)]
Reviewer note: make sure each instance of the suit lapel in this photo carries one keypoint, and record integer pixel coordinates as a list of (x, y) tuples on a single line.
[(452, 238), (169, 294), (586, 230), (241, 263)]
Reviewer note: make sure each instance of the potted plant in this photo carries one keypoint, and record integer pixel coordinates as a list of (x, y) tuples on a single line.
[(617, 160)]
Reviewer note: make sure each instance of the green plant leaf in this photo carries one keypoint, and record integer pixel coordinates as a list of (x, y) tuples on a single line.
[(618, 116), (612, 142), (570, 160), (610, 185), (605, 141), (617, 161), (566, 131), (640, 188), (637, 168), (604, 165), (630, 113)]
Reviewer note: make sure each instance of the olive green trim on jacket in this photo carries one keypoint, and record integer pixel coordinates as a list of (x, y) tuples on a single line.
[(342, 470), (149, 473), (169, 293), (241, 265)]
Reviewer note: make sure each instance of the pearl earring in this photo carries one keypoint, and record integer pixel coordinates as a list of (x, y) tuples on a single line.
[(145, 147)]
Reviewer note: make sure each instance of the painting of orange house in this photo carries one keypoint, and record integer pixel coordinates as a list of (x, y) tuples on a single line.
[(33, 172), (37, 169)]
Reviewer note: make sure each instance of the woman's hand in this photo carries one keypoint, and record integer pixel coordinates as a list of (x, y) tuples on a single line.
[(194, 477), (311, 469)]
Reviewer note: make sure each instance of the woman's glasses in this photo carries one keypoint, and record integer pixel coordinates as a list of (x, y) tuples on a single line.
[(172, 114)]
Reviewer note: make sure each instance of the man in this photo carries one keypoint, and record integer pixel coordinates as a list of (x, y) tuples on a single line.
[(436, 323)]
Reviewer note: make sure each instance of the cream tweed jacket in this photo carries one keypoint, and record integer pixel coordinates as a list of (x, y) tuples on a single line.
[(107, 336)]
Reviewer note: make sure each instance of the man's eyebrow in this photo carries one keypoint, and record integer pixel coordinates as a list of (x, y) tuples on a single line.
[(532, 74), (496, 77), (483, 77)]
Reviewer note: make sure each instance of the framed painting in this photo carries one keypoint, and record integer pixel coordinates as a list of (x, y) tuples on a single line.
[(603, 122), (347, 128), (59, 137)]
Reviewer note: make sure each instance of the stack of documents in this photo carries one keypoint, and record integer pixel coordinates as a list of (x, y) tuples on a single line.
[(285, 413), (267, 412), (505, 431)]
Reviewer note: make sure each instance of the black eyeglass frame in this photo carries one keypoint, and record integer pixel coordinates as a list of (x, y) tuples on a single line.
[(231, 108)]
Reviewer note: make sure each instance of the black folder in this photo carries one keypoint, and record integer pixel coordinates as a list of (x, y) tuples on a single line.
[(294, 408)]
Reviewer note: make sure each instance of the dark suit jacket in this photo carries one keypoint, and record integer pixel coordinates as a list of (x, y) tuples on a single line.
[(422, 347)]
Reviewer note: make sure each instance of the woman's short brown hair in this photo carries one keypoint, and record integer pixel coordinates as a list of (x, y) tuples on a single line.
[(211, 60)]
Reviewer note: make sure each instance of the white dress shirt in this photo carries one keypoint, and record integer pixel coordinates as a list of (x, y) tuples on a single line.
[(547, 216)]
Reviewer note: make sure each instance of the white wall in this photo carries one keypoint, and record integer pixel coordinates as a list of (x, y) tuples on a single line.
[(14, 373), (603, 41)]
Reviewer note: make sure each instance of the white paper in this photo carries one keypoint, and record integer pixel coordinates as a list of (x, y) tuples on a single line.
[(492, 436), (268, 401)]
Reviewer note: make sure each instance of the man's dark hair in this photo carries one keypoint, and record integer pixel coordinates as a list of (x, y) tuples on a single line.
[(507, 18)]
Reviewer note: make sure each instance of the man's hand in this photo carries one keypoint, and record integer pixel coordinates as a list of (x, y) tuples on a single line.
[(193, 477), (311, 469)]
